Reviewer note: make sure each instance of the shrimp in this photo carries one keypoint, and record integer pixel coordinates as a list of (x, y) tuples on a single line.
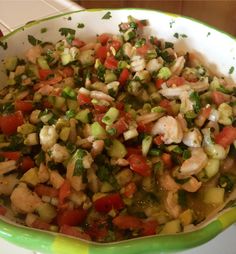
[(168, 183), (97, 147), (137, 63), (199, 86), (194, 164), (8, 183), (171, 204), (59, 153), (48, 137), (101, 96), (182, 122), (174, 92), (186, 104), (7, 166), (193, 138), (33, 53), (148, 118), (93, 181), (45, 90), (192, 185), (170, 128), (24, 200), (154, 64), (178, 66)]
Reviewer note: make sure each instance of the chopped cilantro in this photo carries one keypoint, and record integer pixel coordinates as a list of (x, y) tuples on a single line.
[(3, 45), (186, 154), (182, 198), (171, 23), (43, 30), (80, 25), (169, 45), (176, 35), (65, 31), (69, 18), (107, 15), (111, 131), (70, 113), (195, 98), (33, 41), (231, 70), (7, 108), (208, 34)]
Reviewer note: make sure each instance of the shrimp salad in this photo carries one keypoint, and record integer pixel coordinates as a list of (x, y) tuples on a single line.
[(116, 138)]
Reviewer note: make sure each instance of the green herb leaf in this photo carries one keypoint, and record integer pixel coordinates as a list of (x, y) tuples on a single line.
[(3, 45), (33, 41), (80, 25), (65, 31), (208, 34), (231, 70), (172, 23), (107, 15), (194, 97), (186, 154), (176, 35), (69, 18), (7, 108), (70, 113), (182, 198)]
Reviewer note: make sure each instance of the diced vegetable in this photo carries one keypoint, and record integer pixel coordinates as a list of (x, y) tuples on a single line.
[(214, 195), (146, 145), (110, 116), (117, 149), (98, 131), (171, 227)]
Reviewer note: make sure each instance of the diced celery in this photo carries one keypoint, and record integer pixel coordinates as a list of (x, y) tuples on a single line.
[(164, 73), (146, 145), (110, 116), (132, 133), (171, 227), (98, 131), (43, 63), (117, 149), (10, 63), (214, 195), (31, 177), (83, 116)]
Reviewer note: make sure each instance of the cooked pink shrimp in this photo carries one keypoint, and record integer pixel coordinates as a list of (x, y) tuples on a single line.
[(33, 53)]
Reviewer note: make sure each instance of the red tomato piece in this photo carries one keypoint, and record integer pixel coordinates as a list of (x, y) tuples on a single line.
[(166, 157), (115, 44), (109, 202), (83, 99), (71, 217), (44, 73), (145, 128), (101, 53), (124, 75), (130, 189), (158, 140), (120, 105), (77, 43), (68, 71), (43, 190), (218, 97), (100, 108), (175, 80), (11, 155), (127, 222), (73, 231), (98, 230), (64, 191), (143, 50), (41, 224), (9, 123), (24, 106), (138, 163), (3, 210), (111, 63), (166, 105), (27, 163), (103, 38), (133, 150), (159, 82), (226, 137), (120, 126), (47, 104), (149, 227)]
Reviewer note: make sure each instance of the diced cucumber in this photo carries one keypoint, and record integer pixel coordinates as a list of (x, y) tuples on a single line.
[(59, 102), (146, 145), (117, 149), (43, 63), (83, 116), (110, 116), (32, 70), (123, 64), (109, 76), (72, 104), (129, 34), (46, 212), (158, 109), (10, 63), (132, 133), (31, 177), (186, 217), (69, 92), (215, 151), (212, 167), (106, 187), (26, 128), (171, 227), (65, 133), (98, 131), (164, 73), (214, 195), (66, 58)]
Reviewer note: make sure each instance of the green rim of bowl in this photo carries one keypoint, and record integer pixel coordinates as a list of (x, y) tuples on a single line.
[(53, 243)]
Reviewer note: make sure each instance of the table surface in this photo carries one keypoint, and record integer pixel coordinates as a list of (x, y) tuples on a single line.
[(23, 11)]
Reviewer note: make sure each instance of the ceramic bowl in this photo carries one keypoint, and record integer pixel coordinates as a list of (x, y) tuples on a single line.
[(217, 50)]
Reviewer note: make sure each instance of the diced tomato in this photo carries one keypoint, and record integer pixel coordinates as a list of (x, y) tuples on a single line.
[(40, 224), (77, 43), (145, 128), (166, 157), (109, 202), (205, 112), (226, 137), (143, 50), (218, 97), (166, 105), (98, 230), (100, 108), (130, 189), (44, 74), (149, 227), (73, 231), (9, 123), (120, 105), (98, 118), (159, 82), (47, 104), (71, 217), (64, 191), (43, 190), (120, 126), (103, 38), (3, 210), (175, 80), (133, 150), (124, 75), (24, 106), (158, 140), (27, 163), (83, 99), (101, 53), (111, 63), (127, 222), (115, 44), (68, 71), (138, 163), (11, 155)]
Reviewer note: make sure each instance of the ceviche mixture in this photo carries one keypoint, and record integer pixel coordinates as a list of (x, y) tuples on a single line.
[(114, 139)]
